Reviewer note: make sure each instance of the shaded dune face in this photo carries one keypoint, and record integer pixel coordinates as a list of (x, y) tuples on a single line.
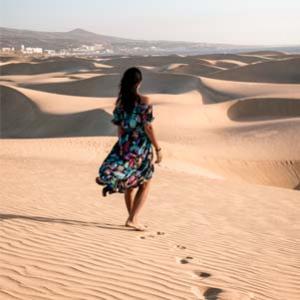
[(17, 111), (265, 53), (22, 118), (197, 68), (245, 58), (264, 109), (106, 85), (31, 68), (280, 173)]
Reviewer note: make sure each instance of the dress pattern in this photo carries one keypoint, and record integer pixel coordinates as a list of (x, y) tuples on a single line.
[(130, 161)]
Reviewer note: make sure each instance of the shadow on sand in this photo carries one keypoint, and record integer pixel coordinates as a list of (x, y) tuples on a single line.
[(4, 217)]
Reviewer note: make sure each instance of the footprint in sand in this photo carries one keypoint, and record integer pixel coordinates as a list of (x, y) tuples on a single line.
[(175, 247), (212, 293), (184, 260), (152, 235), (206, 293), (201, 274)]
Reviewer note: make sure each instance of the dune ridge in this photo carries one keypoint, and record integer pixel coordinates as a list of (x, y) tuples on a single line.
[(281, 71)]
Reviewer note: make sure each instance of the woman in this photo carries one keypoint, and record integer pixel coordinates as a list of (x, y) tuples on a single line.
[(129, 164)]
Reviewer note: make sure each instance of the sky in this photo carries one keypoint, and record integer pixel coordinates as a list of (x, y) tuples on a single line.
[(243, 22)]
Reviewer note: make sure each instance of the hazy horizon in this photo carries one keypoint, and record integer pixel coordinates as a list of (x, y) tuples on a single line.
[(263, 22)]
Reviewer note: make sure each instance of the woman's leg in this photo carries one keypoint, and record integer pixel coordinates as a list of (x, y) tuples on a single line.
[(139, 200), (129, 199)]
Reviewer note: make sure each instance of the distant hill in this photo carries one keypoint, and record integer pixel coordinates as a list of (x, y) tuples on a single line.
[(53, 40), (10, 37)]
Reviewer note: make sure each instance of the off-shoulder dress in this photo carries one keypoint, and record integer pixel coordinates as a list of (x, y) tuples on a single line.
[(130, 161)]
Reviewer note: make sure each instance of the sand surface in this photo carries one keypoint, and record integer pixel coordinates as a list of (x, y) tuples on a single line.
[(223, 206)]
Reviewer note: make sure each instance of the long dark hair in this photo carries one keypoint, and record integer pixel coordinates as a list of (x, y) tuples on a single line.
[(128, 96)]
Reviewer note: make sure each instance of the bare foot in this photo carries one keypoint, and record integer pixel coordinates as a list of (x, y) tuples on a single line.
[(135, 225)]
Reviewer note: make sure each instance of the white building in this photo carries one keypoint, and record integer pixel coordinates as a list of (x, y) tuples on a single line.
[(8, 49), (31, 50), (86, 47), (49, 52)]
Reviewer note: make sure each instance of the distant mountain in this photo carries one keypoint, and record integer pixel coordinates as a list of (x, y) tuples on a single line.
[(10, 37), (53, 40)]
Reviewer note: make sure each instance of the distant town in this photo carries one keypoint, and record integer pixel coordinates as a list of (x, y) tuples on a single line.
[(79, 42), (97, 49)]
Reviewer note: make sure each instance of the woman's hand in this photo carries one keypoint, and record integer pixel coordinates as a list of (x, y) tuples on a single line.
[(158, 155)]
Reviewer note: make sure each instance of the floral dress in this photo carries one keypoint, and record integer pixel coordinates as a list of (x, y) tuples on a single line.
[(130, 162)]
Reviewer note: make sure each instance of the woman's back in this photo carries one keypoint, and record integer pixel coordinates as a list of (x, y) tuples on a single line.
[(141, 114)]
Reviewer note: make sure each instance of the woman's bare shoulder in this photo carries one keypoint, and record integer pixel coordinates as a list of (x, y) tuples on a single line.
[(145, 100)]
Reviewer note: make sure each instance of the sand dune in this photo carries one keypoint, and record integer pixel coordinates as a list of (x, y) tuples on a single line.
[(243, 58), (223, 206), (216, 146), (264, 53), (31, 68), (282, 71), (214, 90), (24, 118), (39, 78), (196, 63), (264, 109), (105, 85), (194, 69), (228, 63), (77, 248)]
